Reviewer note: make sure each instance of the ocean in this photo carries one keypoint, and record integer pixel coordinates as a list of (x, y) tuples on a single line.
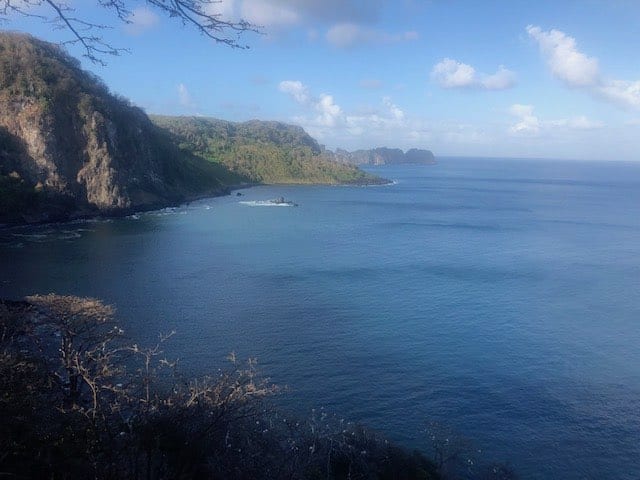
[(499, 298)]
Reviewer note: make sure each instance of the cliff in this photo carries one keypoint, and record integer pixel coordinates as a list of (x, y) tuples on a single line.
[(69, 147), (383, 156)]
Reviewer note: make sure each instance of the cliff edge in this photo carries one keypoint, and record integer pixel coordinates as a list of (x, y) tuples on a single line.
[(69, 147)]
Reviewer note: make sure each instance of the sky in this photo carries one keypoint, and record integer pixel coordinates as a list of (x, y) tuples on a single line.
[(510, 78)]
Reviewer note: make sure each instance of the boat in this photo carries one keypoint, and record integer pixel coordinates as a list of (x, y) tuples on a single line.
[(282, 201)]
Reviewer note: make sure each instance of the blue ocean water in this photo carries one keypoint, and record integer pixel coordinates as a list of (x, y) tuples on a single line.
[(498, 297)]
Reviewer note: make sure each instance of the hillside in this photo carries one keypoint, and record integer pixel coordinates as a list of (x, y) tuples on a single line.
[(69, 147), (263, 152), (384, 156)]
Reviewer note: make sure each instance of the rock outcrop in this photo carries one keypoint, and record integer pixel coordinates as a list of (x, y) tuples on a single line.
[(383, 156), (77, 147)]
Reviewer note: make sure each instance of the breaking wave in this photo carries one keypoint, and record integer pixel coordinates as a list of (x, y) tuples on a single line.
[(264, 203)]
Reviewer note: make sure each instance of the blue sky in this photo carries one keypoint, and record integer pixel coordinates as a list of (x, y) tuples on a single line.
[(554, 79)]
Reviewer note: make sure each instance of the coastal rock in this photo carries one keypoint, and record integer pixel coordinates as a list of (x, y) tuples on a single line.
[(73, 147), (383, 156)]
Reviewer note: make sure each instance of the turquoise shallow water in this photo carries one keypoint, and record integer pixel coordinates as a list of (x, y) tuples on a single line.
[(499, 297)]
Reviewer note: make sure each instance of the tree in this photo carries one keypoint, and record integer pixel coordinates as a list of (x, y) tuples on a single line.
[(198, 14)]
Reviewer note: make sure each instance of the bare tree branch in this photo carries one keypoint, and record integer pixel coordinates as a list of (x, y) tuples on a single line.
[(198, 14)]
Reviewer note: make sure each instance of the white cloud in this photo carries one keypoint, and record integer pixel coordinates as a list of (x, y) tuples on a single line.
[(327, 113), (141, 20), (564, 59), (621, 92), (269, 14), (184, 97), (530, 124), (450, 73), (226, 9), (577, 69), (395, 111), (296, 89), (325, 119), (501, 80), (385, 123), (330, 114), (345, 35)]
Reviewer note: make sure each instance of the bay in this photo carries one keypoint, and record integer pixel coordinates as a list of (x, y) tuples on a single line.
[(498, 297)]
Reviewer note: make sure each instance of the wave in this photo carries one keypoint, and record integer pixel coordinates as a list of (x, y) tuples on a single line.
[(51, 235), (168, 211), (264, 203)]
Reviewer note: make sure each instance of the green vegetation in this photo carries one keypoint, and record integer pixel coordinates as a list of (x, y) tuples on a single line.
[(262, 152), (77, 400)]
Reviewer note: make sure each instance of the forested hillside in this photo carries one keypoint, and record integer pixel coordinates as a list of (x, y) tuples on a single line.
[(264, 152)]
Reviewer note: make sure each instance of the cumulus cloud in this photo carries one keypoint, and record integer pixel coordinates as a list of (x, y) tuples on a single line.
[(564, 59), (501, 80), (327, 112), (141, 20), (324, 118), (578, 70), (621, 92), (184, 97), (330, 114), (450, 73), (395, 111), (296, 89), (529, 124), (344, 35)]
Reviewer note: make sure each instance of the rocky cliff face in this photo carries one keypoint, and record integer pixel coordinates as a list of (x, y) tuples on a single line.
[(383, 156), (81, 149)]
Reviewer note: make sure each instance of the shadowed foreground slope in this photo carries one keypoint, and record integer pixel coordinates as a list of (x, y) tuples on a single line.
[(79, 401)]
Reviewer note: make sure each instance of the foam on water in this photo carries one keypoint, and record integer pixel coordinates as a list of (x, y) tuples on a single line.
[(264, 203)]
